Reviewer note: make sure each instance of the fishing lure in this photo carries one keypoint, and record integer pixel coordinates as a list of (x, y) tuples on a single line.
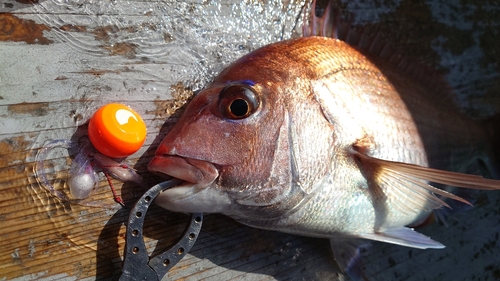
[(83, 176)]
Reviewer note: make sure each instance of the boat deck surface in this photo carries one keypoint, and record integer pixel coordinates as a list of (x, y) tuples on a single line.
[(60, 61)]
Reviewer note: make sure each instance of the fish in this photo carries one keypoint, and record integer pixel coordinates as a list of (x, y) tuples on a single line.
[(313, 136)]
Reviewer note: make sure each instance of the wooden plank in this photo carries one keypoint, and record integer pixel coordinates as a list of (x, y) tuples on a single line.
[(60, 61)]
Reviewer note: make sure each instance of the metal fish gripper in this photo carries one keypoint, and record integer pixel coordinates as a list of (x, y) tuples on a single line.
[(137, 264)]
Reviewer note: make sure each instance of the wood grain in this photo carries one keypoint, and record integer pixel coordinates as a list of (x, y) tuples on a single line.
[(60, 61)]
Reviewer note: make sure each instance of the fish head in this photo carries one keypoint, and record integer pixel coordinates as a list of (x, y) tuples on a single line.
[(235, 144)]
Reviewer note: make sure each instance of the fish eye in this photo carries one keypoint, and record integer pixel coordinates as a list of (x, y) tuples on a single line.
[(238, 102)]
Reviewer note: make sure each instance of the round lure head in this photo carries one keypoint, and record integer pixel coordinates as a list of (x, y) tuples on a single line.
[(116, 130)]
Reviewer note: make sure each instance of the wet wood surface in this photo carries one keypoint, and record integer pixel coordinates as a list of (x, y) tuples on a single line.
[(61, 60)]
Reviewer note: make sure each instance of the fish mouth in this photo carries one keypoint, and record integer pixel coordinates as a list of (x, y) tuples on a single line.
[(195, 194), (198, 172)]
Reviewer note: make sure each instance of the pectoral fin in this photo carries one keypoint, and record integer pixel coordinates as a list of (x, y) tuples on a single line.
[(434, 175), (406, 186)]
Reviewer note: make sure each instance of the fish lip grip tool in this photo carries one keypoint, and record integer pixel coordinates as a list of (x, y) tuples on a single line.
[(137, 264)]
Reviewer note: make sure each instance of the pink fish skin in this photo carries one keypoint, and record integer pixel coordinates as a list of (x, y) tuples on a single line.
[(311, 136)]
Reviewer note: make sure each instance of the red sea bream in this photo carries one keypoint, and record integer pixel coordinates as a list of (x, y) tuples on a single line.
[(312, 136)]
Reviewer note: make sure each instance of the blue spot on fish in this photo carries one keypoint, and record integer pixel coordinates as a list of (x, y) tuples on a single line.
[(244, 82)]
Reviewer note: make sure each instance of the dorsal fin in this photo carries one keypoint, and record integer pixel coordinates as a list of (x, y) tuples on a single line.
[(327, 22)]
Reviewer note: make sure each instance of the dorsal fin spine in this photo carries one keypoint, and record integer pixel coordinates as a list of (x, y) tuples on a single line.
[(372, 45)]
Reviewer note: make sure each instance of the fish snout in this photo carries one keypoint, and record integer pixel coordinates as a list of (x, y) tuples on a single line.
[(199, 172)]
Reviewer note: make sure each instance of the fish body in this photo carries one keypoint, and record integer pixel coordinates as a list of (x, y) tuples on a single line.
[(311, 136)]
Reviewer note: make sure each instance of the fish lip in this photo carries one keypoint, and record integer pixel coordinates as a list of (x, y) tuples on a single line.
[(198, 172)]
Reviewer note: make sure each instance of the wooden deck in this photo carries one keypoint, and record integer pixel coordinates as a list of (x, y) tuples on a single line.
[(61, 60)]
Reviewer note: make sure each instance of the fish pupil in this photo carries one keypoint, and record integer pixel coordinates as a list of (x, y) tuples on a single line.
[(239, 107), (237, 101)]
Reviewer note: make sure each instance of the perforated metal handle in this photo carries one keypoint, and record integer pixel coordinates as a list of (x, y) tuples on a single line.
[(137, 264)]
